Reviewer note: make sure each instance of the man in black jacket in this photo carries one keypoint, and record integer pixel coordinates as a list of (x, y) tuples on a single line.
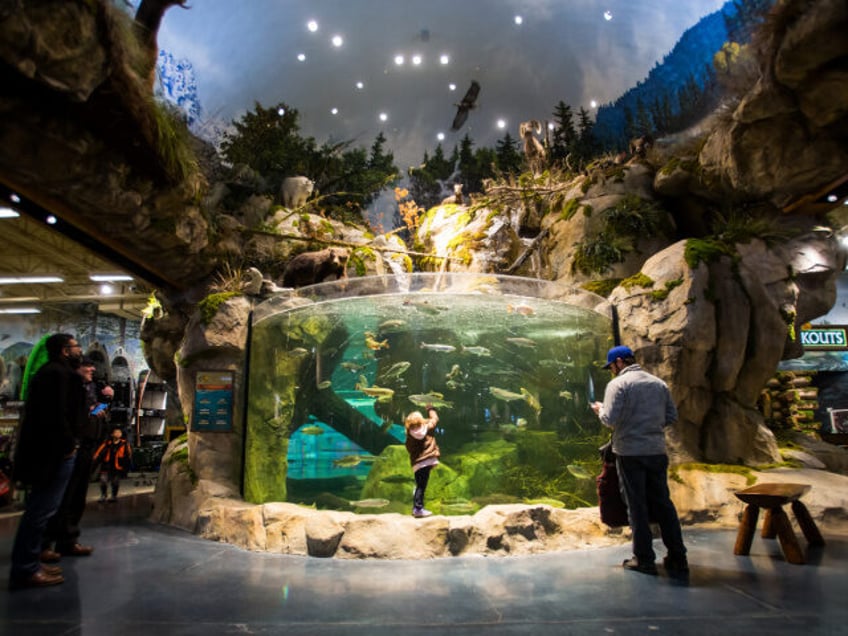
[(64, 526), (45, 455)]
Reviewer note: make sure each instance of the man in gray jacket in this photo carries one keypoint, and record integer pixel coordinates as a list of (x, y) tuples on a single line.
[(637, 407)]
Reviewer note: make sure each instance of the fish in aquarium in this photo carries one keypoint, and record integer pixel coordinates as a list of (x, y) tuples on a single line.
[(326, 384), (436, 400), (505, 395), (393, 324), (477, 351), (370, 503), (395, 371), (459, 506), (522, 342), (311, 430), (372, 343), (349, 461), (578, 471), (531, 400), (566, 395), (299, 351), (397, 479), (373, 391), (521, 309), (440, 348), (424, 306), (353, 367)]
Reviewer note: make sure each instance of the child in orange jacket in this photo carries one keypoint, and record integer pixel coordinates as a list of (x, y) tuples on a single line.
[(115, 457)]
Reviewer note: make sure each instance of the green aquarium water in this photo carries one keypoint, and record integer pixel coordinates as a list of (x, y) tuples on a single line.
[(510, 364)]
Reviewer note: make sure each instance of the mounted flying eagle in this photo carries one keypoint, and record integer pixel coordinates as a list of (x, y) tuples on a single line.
[(468, 102)]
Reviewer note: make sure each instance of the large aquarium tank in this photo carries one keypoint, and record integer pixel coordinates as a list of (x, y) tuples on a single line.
[(509, 363)]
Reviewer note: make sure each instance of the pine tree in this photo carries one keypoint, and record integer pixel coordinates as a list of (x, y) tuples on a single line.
[(468, 166), (564, 137), (586, 144), (267, 140), (508, 155)]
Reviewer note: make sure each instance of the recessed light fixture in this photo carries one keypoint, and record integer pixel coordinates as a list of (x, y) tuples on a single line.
[(832, 198), (51, 220), (20, 310), (109, 278), (8, 213), (31, 280)]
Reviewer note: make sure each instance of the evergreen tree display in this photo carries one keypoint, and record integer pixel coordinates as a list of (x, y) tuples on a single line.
[(508, 156)]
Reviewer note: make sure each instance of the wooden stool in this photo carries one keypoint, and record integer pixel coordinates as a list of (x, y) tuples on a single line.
[(773, 497)]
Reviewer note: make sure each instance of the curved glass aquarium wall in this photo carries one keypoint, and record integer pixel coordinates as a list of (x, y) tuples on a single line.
[(509, 363)]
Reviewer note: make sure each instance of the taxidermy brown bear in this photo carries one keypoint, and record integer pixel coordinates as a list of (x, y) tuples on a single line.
[(309, 268)]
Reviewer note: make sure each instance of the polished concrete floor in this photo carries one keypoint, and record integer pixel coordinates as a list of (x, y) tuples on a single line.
[(149, 579)]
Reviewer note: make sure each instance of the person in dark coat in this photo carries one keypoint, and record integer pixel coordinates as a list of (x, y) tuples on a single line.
[(45, 455), (64, 527)]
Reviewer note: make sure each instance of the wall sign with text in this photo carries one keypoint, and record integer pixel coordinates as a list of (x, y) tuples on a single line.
[(213, 401), (820, 337)]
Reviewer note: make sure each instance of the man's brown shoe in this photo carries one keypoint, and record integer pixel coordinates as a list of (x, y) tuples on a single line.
[(39, 579), (75, 550), (52, 570), (50, 556)]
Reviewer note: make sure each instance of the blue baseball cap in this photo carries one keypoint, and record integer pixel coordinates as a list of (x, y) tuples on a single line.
[(617, 352)]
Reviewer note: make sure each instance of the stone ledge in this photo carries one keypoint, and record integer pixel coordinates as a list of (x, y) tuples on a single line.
[(704, 499)]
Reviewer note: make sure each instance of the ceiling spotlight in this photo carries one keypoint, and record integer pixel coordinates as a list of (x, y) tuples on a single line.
[(440, 136), (106, 289), (444, 58), (281, 111), (301, 57), (109, 278), (337, 41), (416, 60), (14, 198), (384, 117), (8, 213), (832, 198), (312, 25), (518, 19), (452, 86), (360, 85), (501, 123), (51, 220), (334, 111), (607, 15), (593, 104), (551, 125), (399, 60)]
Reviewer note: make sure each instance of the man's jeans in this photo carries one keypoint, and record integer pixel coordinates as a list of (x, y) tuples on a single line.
[(41, 504), (645, 483)]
